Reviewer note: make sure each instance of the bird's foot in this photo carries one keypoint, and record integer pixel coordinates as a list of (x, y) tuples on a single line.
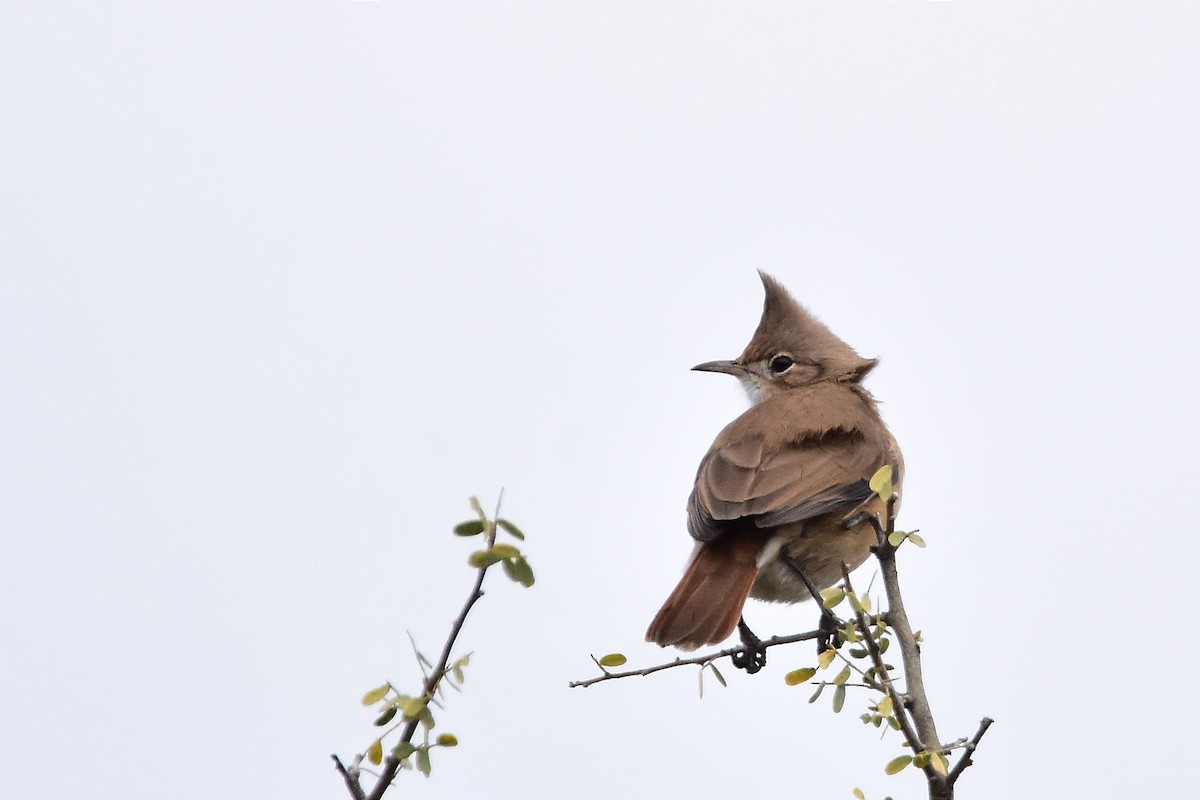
[(828, 631), (753, 656)]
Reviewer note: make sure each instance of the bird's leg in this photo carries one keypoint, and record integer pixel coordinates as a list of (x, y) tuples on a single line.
[(829, 623), (753, 655)]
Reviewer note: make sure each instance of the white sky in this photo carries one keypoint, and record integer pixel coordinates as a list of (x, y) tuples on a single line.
[(283, 283)]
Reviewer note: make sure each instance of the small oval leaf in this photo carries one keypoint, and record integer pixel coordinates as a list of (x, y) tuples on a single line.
[(512, 529), (896, 764), (826, 658), (505, 551), (375, 695), (385, 717), (447, 740), (832, 596), (426, 717), (885, 706), (482, 559), (413, 707), (518, 569), (817, 693), (612, 660), (839, 699), (472, 527), (716, 672), (917, 540), (798, 676), (881, 482), (375, 752), (842, 676)]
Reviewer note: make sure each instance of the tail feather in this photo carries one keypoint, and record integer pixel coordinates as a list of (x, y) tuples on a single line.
[(707, 604)]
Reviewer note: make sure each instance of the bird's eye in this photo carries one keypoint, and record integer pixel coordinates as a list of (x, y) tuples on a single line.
[(780, 363)]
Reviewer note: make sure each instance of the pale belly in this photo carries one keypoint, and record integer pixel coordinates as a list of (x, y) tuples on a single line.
[(819, 546)]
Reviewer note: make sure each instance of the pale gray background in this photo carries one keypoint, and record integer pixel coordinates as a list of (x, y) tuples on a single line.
[(283, 283)]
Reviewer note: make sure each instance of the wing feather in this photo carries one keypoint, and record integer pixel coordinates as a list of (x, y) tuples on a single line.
[(795, 456)]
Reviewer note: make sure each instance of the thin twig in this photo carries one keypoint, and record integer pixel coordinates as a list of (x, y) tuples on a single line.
[(701, 660), (391, 765), (965, 761), (351, 781), (898, 706)]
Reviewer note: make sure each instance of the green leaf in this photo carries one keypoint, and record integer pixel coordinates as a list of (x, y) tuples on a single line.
[(385, 717), (519, 570), (447, 740), (817, 693), (481, 559), (896, 764), (939, 763), (884, 644), (896, 537), (423, 761), (860, 603), (798, 676), (716, 672), (826, 658), (505, 551), (858, 794), (403, 750), (472, 527), (858, 652), (881, 482), (375, 695), (478, 509), (512, 529), (832, 596), (426, 717), (839, 699), (917, 540), (884, 707), (613, 660), (842, 676), (921, 759), (412, 707), (375, 752)]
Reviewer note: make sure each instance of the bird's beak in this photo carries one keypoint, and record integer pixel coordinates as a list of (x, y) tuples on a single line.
[(728, 367)]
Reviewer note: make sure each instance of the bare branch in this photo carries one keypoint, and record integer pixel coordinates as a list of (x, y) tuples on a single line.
[(698, 660), (914, 683), (965, 761), (350, 777)]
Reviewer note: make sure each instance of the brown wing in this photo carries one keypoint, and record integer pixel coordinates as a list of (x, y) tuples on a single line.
[(803, 453)]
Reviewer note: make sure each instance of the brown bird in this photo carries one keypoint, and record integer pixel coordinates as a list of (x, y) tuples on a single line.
[(770, 505)]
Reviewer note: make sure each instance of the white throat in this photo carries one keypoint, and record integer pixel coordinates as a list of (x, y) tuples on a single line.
[(753, 388)]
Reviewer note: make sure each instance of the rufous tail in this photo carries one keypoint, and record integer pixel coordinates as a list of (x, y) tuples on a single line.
[(707, 604)]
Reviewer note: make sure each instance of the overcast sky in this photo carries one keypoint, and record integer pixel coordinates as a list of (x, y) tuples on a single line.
[(282, 284)]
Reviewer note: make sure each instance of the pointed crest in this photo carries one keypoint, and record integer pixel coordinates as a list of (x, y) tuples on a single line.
[(787, 327)]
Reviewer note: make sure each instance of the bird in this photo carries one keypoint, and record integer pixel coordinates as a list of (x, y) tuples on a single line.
[(773, 511)]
